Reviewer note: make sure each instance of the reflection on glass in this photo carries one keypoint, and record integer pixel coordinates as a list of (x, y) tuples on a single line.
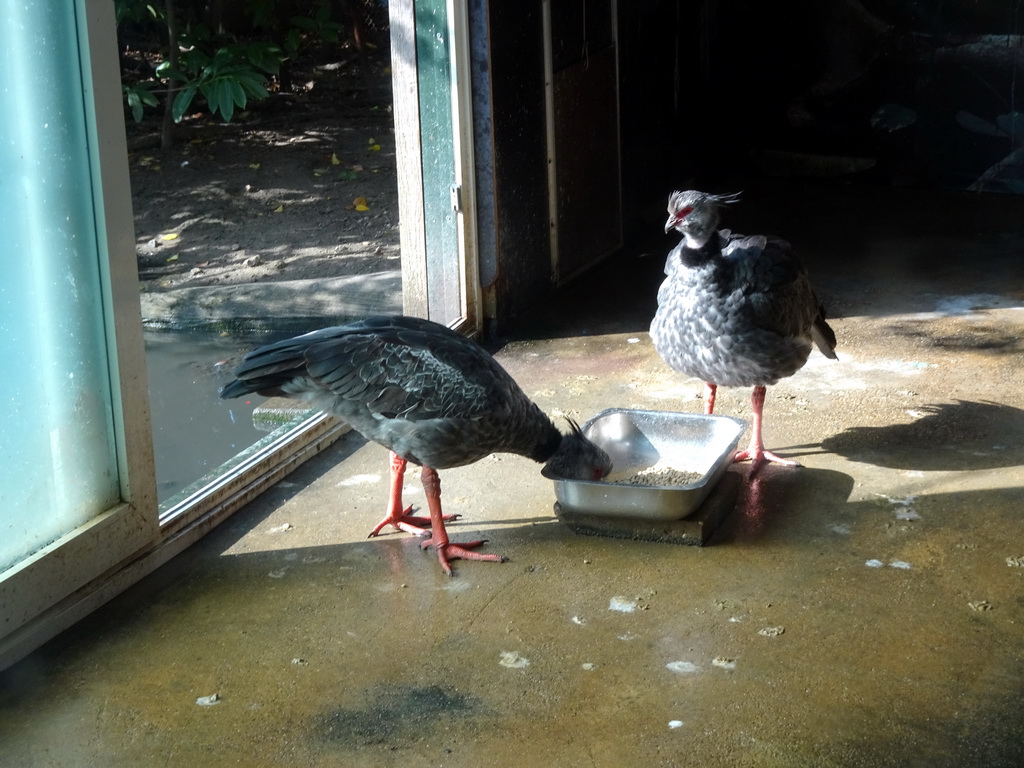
[(194, 431)]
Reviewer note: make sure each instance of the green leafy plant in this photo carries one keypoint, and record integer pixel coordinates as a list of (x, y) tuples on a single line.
[(319, 26), (227, 73), (138, 96), (227, 80), (136, 10)]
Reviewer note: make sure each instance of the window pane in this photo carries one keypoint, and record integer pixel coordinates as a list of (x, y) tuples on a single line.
[(58, 464)]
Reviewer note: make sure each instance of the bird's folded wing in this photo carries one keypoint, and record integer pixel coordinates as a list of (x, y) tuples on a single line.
[(396, 377)]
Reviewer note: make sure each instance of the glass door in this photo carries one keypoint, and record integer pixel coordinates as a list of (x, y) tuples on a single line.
[(79, 517), (431, 107), (76, 475)]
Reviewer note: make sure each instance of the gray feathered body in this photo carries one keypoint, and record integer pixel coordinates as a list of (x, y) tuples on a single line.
[(737, 311), (429, 394)]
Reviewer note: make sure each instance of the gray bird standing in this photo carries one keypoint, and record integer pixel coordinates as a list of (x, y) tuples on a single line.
[(427, 393), (733, 310)]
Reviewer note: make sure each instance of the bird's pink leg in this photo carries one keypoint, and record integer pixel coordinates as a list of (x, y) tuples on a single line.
[(439, 536), (755, 450), (396, 515), (709, 398)]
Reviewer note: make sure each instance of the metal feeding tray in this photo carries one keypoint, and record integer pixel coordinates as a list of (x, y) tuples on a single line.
[(637, 440)]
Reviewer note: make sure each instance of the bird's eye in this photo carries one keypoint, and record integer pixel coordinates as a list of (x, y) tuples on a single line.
[(684, 212), (598, 473)]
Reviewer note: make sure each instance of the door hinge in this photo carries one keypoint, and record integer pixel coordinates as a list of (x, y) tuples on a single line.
[(456, 190)]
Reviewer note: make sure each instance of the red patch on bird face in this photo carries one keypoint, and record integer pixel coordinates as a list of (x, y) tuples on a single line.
[(684, 212), (598, 473)]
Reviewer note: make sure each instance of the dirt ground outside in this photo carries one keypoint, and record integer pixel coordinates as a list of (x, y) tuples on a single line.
[(302, 185)]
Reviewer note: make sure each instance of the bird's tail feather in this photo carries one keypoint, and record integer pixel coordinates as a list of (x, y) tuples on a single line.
[(266, 369), (824, 337), (236, 388)]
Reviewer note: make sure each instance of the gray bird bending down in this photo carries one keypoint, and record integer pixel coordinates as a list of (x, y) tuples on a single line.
[(427, 393), (735, 311)]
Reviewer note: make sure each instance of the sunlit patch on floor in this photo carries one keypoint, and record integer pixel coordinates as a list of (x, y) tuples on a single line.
[(366, 479), (975, 302)]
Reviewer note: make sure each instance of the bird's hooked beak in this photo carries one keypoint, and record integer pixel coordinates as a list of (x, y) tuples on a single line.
[(671, 223)]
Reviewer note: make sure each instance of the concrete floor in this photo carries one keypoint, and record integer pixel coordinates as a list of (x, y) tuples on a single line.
[(866, 609)]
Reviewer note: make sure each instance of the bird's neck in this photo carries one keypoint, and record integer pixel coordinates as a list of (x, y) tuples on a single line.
[(547, 447), (694, 252), (697, 242)]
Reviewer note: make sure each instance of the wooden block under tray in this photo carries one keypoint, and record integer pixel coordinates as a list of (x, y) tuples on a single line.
[(695, 530)]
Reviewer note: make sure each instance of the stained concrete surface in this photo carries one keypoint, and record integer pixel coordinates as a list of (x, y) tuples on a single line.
[(866, 609)]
